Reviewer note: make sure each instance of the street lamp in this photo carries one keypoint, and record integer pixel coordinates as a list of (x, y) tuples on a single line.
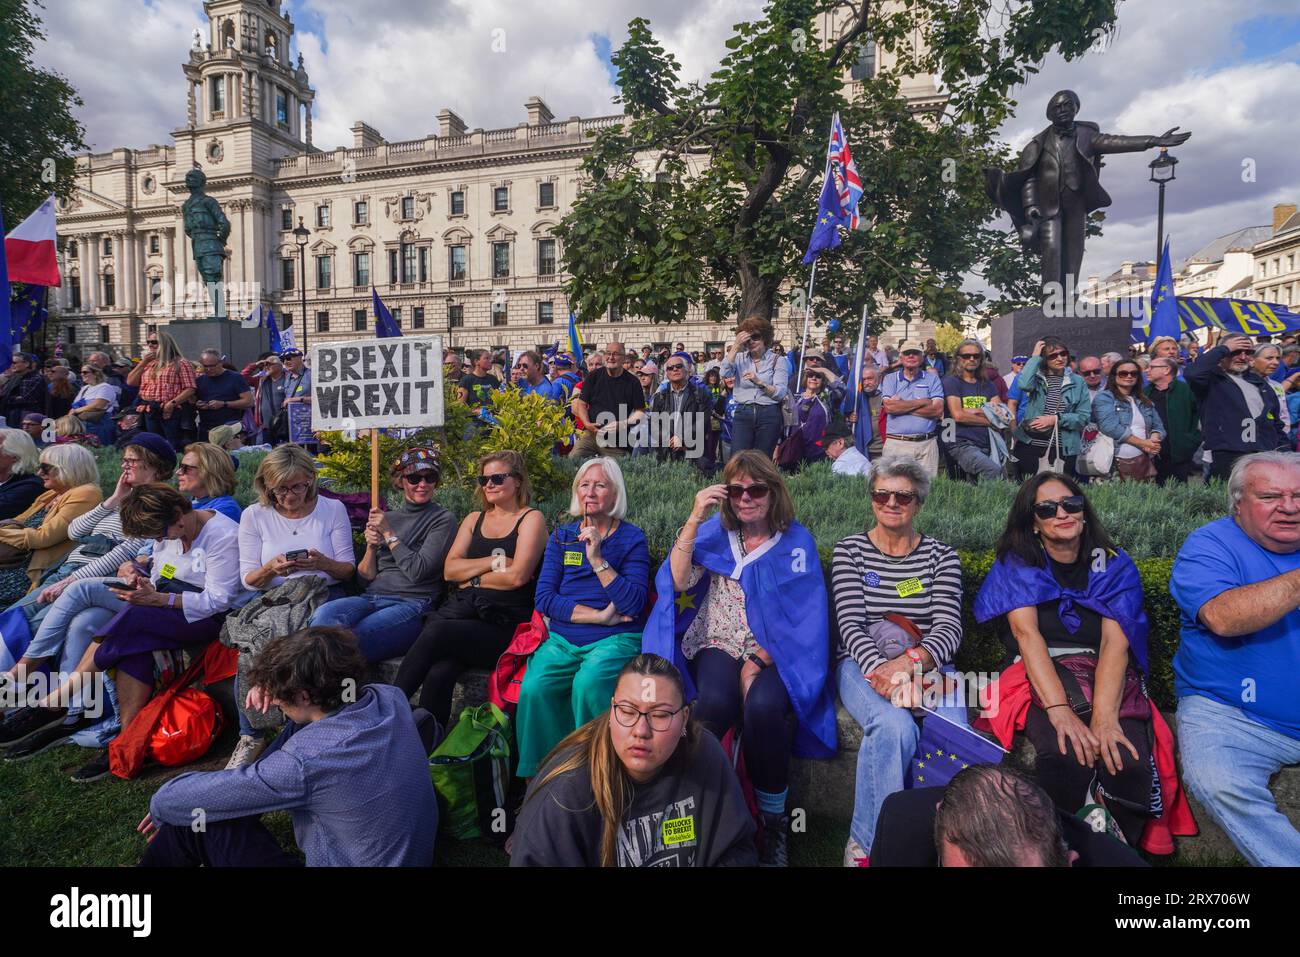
[(1162, 172), (300, 236), (451, 301)]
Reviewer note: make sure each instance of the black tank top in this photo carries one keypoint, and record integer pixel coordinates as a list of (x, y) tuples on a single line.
[(516, 602)]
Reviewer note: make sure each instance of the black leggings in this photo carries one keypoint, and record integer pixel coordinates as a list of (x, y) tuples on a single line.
[(1066, 780), (768, 717), (446, 648)]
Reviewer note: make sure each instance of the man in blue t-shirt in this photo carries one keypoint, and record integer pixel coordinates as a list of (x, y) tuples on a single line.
[(1237, 585), (223, 395)]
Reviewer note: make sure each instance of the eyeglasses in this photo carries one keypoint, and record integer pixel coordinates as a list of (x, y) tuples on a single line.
[(152, 342), (44, 469), (496, 480), (422, 478), (184, 469), (131, 462), (210, 365), (1058, 355), (1073, 505), (1127, 374), (1089, 372), (882, 496), (970, 355), (299, 488), (1241, 352), (758, 491), (630, 717), (677, 368)]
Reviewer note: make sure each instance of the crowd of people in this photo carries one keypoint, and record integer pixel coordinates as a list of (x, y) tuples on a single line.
[(659, 710)]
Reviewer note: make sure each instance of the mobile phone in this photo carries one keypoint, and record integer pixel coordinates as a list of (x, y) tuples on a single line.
[(296, 554), (120, 585)]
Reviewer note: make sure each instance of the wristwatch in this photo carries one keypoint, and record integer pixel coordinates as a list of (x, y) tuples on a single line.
[(601, 567), (391, 540), (475, 581)]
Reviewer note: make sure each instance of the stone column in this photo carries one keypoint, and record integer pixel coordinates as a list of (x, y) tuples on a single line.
[(169, 271), (92, 303), (308, 104), (191, 104), (127, 268)]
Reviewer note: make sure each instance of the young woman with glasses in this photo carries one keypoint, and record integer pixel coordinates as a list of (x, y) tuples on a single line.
[(1125, 413), (402, 565), (888, 571), (167, 386), (639, 785), (742, 599), (492, 571), (1069, 609), (1056, 407)]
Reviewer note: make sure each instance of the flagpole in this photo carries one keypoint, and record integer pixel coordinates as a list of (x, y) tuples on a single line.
[(803, 341)]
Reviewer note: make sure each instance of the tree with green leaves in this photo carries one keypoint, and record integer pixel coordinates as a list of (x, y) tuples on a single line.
[(706, 194), (39, 136)]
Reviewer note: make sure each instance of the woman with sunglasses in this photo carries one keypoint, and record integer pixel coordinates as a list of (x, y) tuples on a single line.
[(289, 517), (1125, 413), (95, 403), (741, 597), (492, 568), (639, 785), (898, 612), (1069, 610), (592, 589), (1056, 406), (814, 415), (167, 385), (402, 565)]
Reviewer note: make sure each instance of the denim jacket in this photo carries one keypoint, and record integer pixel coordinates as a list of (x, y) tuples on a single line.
[(1115, 418)]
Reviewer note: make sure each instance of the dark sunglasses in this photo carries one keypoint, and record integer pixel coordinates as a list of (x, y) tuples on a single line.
[(184, 469), (44, 469), (758, 491), (497, 480), (1089, 372), (1073, 505), (1058, 355), (427, 478), (152, 342), (970, 355), (1127, 374), (677, 368), (1242, 352), (882, 496)]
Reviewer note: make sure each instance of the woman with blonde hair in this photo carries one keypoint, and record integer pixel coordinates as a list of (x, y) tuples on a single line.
[(19, 484), (167, 386), (599, 800), (206, 474), (592, 589), (69, 428), (492, 571)]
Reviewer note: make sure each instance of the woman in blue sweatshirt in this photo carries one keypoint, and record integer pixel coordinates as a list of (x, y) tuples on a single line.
[(592, 588)]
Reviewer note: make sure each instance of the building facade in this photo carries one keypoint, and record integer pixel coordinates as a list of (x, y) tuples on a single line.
[(454, 229)]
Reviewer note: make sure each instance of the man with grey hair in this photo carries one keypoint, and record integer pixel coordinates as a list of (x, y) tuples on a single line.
[(1240, 412), (1108, 359), (965, 428), (1237, 585), (223, 395)]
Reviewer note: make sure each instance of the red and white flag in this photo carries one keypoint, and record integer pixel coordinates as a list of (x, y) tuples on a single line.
[(30, 248)]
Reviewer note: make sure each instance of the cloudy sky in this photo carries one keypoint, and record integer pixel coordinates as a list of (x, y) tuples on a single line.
[(1225, 70)]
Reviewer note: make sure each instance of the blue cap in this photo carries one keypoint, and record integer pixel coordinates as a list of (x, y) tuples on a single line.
[(1021, 359)]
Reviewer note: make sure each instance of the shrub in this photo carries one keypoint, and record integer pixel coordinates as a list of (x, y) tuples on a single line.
[(530, 425)]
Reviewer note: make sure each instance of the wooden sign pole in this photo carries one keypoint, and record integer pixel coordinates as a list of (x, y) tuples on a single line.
[(374, 468)]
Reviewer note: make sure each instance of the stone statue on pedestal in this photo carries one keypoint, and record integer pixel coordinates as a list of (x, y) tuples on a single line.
[(208, 229)]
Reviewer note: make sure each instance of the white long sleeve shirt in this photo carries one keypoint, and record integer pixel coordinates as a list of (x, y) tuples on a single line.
[(264, 533), (212, 563)]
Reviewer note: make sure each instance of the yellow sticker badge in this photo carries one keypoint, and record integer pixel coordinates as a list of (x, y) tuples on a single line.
[(168, 571), (573, 558), (679, 830), (911, 586)]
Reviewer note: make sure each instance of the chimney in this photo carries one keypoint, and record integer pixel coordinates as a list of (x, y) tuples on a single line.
[(364, 135), (1281, 213), (449, 124), (539, 114), (1126, 269)]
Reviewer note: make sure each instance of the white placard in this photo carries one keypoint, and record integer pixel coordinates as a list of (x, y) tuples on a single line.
[(377, 383)]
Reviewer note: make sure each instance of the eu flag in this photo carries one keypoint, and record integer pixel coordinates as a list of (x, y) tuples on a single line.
[(273, 331), (841, 190), (29, 310), (1164, 304), (385, 326), (945, 748)]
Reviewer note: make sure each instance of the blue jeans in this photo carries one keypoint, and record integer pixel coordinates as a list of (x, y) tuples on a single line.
[(889, 737), (756, 427), (1227, 760), (385, 625), (72, 621)]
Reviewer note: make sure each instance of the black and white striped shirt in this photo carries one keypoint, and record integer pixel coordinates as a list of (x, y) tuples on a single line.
[(925, 586)]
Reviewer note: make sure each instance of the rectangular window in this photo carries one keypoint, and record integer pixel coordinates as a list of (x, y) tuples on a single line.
[(392, 266), (154, 245), (323, 216), (361, 213), (546, 257), (108, 290), (358, 320), (417, 317), (424, 264), (408, 263), (282, 109), (545, 313), (286, 217), (458, 202), (408, 207), (322, 322), (615, 314), (361, 269), (545, 194), (324, 277), (72, 250), (499, 314), (155, 292), (103, 333), (71, 334), (865, 67), (287, 269), (286, 322), (76, 297), (500, 260), (108, 247), (501, 199), (455, 317), (218, 87), (456, 262), (397, 316)]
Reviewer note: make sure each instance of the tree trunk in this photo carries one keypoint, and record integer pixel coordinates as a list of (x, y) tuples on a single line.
[(757, 295)]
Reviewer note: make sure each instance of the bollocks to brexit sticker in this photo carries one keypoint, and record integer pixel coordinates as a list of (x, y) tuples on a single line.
[(911, 586), (573, 558), (679, 830)]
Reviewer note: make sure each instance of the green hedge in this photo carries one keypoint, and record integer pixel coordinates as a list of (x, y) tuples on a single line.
[(1148, 522)]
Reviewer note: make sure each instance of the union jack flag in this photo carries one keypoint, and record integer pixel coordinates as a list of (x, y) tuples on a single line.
[(844, 172)]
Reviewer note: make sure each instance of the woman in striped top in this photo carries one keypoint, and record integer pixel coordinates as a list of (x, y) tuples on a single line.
[(1057, 406), (891, 569)]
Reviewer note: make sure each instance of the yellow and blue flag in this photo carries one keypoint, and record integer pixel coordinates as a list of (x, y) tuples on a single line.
[(575, 339), (944, 748)]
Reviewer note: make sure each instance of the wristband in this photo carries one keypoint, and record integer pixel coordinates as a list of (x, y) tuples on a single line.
[(171, 600), (756, 660), (913, 655), (1051, 706)]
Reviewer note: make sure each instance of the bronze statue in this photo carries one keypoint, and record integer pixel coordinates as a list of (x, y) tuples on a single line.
[(208, 229), (1055, 186)]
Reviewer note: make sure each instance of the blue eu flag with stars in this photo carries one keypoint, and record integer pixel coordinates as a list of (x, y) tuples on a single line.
[(945, 748), (1164, 304)]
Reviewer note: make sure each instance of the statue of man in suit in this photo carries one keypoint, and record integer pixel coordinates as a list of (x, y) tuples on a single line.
[(1055, 185)]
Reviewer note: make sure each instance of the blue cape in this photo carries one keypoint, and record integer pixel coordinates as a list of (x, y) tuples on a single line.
[(1115, 592), (785, 602)]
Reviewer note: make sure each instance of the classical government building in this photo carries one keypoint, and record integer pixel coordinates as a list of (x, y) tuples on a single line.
[(454, 229)]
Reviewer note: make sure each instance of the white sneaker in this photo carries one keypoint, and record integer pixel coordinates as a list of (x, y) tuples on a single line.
[(854, 855), (246, 751)]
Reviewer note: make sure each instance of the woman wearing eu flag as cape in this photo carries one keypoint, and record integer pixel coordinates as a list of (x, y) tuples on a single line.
[(742, 612)]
